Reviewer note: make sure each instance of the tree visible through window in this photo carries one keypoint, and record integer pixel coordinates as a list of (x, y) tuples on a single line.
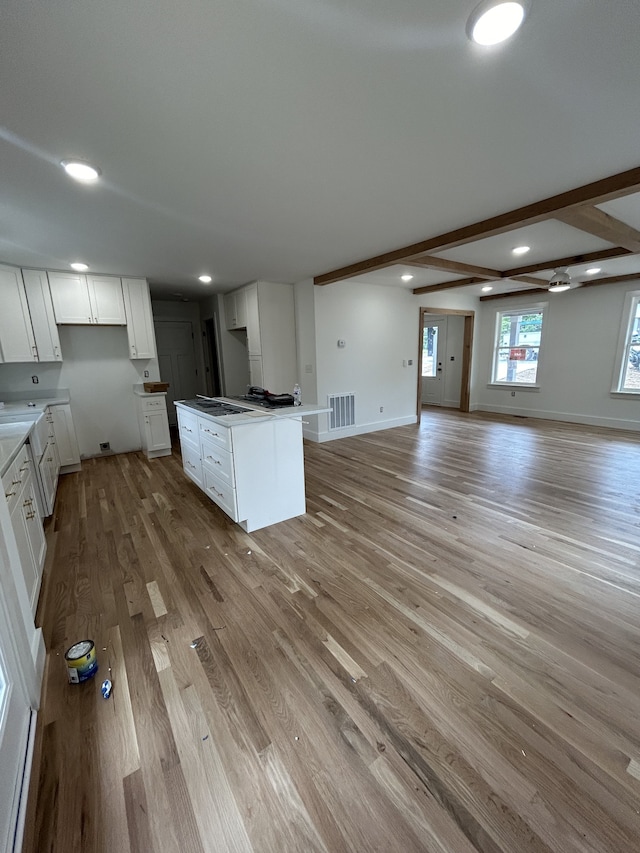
[(517, 348), (630, 373)]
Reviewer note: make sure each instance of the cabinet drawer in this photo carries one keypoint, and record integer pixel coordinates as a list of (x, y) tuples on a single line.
[(217, 460), (220, 493), (188, 427), (216, 433), (191, 462), (16, 475), (153, 404)]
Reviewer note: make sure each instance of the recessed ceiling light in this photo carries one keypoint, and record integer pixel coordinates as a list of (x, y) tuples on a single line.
[(520, 250), (79, 266), (406, 277), (80, 170), (487, 288), (494, 21), (594, 270), (205, 279)]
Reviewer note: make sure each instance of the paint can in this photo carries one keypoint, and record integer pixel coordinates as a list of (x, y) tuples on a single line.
[(81, 661)]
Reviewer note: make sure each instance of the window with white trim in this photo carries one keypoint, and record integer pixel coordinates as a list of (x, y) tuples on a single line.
[(516, 352), (630, 366)]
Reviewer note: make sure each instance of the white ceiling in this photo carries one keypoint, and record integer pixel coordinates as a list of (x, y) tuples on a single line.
[(280, 139)]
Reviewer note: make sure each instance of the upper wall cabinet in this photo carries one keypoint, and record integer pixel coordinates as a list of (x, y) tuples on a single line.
[(17, 342), (43, 319), (87, 300), (142, 339), (235, 310)]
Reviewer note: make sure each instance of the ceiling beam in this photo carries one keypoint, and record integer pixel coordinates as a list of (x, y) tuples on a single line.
[(570, 261), (447, 285), (595, 282), (598, 223), (526, 279), (432, 263), (596, 192)]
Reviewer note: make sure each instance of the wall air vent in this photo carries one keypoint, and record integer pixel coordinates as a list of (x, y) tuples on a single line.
[(343, 410)]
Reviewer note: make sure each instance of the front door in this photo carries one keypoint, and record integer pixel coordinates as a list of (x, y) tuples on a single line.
[(177, 361), (434, 347)]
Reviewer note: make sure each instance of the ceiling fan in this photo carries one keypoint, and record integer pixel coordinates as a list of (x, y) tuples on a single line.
[(559, 281)]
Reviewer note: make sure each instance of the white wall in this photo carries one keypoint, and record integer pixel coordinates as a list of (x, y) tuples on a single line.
[(578, 360), (100, 377), (381, 329)]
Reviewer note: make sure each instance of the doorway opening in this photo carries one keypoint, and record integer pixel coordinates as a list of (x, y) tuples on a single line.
[(177, 362), (444, 358)]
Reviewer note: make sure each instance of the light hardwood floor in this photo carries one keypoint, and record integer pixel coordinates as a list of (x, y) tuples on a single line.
[(442, 655)]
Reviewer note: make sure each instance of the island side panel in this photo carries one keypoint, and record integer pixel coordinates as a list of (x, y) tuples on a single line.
[(269, 468)]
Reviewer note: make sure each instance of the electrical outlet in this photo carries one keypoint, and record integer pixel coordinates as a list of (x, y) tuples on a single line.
[(382, 408), (308, 368), (104, 446), (410, 362), (513, 393), (35, 380), (146, 374)]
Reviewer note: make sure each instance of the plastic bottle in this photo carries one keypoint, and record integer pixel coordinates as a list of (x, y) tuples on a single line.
[(297, 395)]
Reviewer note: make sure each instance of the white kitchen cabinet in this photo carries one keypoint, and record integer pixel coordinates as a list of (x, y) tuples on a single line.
[(43, 319), (65, 435), (253, 324), (87, 300), (235, 309), (154, 425), (17, 342), (255, 371), (29, 535), (142, 339)]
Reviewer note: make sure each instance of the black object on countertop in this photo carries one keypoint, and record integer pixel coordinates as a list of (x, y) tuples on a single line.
[(262, 397)]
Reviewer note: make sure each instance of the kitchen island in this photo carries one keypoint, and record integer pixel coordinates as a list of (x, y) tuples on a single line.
[(247, 459)]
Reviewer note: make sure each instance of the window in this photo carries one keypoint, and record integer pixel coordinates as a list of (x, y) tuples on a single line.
[(429, 350), (630, 367), (517, 346)]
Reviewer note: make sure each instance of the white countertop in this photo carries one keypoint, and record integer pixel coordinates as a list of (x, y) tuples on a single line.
[(255, 413), (12, 437)]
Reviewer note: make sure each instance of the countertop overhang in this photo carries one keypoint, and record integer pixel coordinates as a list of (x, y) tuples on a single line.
[(255, 413)]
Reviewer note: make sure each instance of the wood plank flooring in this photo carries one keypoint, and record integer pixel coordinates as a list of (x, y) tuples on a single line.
[(442, 655)]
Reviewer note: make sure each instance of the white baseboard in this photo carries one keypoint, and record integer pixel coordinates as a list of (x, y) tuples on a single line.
[(567, 417), (358, 429)]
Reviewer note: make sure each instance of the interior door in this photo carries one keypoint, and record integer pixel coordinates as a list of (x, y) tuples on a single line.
[(434, 347), (177, 361), (15, 718)]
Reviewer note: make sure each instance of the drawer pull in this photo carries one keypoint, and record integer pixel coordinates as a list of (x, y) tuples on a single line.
[(9, 494), (216, 492), (30, 515), (186, 429), (190, 464), (215, 461), (216, 434), (16, 482), (28, 502)]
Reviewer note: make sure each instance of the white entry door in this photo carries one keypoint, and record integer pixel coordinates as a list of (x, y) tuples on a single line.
[(434, 348), (15, 717), (177, 361)]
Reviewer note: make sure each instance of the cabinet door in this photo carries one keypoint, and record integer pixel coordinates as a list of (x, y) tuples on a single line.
[(142, 339), (43, 319), (16, 333), (156, 426), (19, 523), (241, 309), (253, 323), (65, 435), (256, 376), (70, 297), (230, 318), (105, 296)]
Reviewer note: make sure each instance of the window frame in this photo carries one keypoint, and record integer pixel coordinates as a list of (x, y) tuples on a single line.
[(631, 302), (530, 308)]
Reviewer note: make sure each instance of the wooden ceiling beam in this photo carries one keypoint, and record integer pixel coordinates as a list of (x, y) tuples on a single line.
[(595, 282), (447, 285), (596, 192), (432, 263), (570, 261), (598, 223), (526, 279)]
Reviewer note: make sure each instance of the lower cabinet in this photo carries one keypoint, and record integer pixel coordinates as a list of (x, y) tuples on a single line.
[(65, 435), (254, 471), (29, 535), (154, 425)]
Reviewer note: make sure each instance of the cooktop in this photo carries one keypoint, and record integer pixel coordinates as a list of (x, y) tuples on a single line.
[(215, 407)]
